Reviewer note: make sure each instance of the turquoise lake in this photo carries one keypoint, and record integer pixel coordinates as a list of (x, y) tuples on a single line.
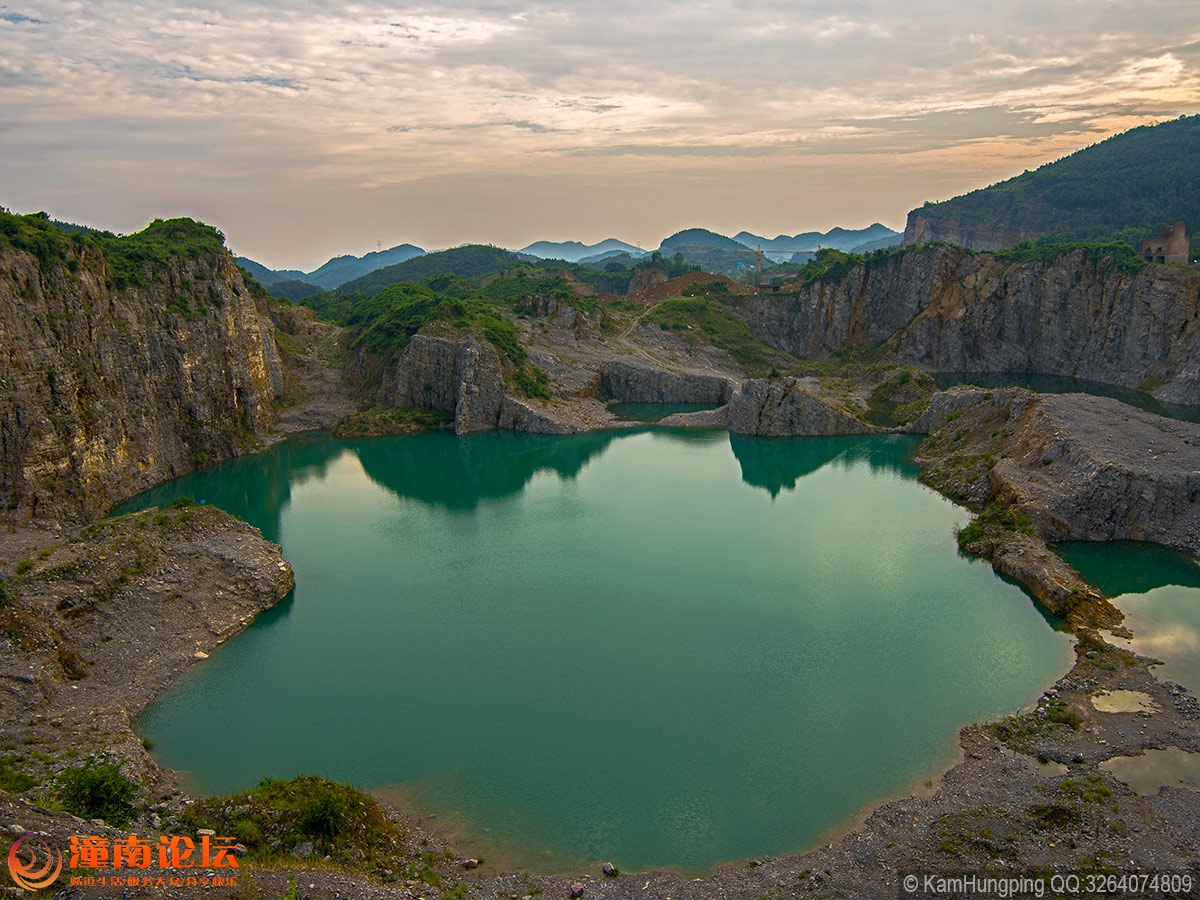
[(659, 648)]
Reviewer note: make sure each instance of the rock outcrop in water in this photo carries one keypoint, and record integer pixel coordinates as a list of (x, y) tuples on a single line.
[(780, 407), (462, 375), (1080, 467), (775, 407), (108, 391), (947, 309)]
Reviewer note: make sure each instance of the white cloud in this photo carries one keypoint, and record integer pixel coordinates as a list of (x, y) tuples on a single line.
[(327, 101)]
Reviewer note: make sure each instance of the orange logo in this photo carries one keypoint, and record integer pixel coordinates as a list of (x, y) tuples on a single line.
[(22, 872)]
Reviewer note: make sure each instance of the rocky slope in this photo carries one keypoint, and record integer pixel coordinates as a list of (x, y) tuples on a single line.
[(108, 391), (1082, 468), (946, 309), (97, 623)]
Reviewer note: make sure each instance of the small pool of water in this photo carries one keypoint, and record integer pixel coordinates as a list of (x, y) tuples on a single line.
[(1158, 589), (1155, 769), (657, 648), (655, 412)]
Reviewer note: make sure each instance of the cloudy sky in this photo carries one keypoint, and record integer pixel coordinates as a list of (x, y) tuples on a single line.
[(306, 129)]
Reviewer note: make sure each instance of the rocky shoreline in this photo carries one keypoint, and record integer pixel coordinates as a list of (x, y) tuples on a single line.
[(1029, 793)]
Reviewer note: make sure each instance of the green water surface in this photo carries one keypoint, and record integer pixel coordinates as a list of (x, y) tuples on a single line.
[(1158, 589), (656, 648)]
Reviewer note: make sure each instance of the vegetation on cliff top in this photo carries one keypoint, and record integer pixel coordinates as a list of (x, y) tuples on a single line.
[(133, 259), (831, 266), (1124, 188)]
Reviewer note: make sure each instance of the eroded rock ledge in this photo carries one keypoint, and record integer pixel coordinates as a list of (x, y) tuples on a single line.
[(99, 623), (1081, 467), (1062, 467)]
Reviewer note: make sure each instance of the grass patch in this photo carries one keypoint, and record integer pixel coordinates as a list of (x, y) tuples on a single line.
[(1054, 815), (340, 822), (703, 320), (12, 779), (1103, 655), (901, 397), (534, 383)]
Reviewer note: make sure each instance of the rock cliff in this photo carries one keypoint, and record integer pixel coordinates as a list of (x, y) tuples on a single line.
[(629, 381), (1080, 467), (459, 376), (924, 229), (946, 309), (108, 391), (781, 407)]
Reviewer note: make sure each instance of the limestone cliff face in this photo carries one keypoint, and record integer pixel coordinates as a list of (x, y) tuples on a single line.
[(781, 407), (945, 309), (1081, 467), (630, 381), (462, 376), (923, 229), (107, 392)]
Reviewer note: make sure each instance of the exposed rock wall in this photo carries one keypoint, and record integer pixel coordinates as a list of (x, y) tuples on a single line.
[(462, 376), (106, 392), (1080, 467), (945, 309), (923, 229), (780, 407), (630, 381)]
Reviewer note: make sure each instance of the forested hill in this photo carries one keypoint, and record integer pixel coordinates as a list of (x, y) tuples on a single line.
[(1124, 188)]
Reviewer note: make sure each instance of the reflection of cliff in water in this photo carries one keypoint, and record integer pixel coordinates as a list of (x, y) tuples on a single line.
[(442, 469), (257, 487), (778, 463), (1130, 567)]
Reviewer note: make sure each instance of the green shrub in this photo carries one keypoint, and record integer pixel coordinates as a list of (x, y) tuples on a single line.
[(98, 790), (970, 534), (533, 384), (323, 816)]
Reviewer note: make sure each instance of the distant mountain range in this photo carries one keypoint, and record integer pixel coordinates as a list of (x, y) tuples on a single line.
[(1124, 188), (574, 251), (848, 240), (334, 273), (699, 237), (697, 245)]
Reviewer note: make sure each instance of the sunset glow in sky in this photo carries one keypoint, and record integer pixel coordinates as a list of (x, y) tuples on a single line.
[(305, 130)]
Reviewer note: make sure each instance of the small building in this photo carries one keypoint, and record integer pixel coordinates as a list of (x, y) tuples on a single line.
[(1171, 245)]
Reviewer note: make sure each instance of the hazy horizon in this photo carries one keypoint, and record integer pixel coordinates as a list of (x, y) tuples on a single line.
[(305, 132)]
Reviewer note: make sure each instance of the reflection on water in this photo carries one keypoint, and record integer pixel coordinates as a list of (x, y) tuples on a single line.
[(653, 412), (1155, 769), (654, 647), (776, 464), (257, 487), (1062, 384), (1158, 589)]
